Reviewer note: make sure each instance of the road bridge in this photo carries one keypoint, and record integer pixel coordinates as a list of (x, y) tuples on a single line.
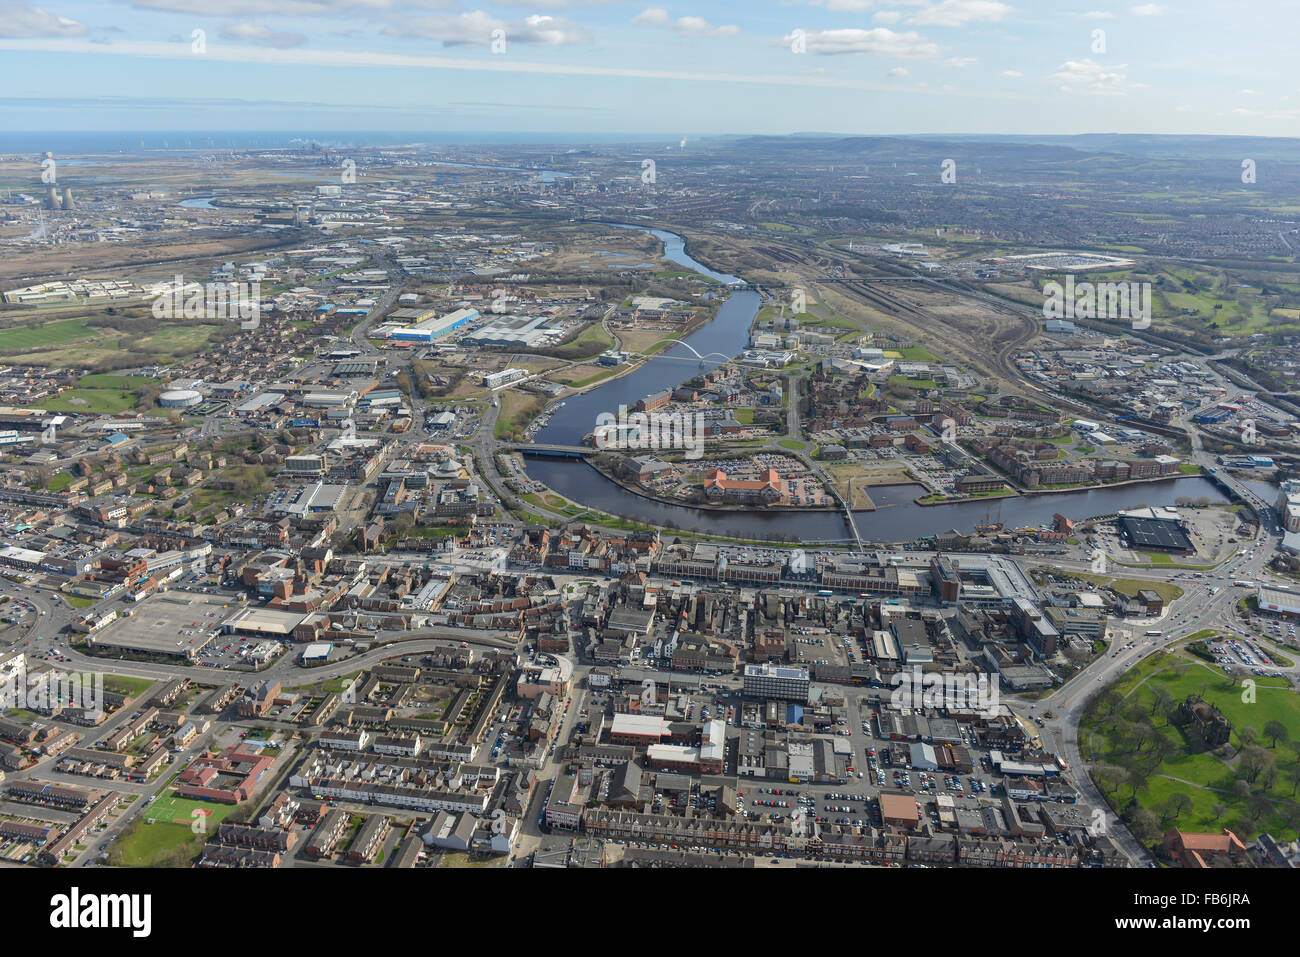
[(548, 448)]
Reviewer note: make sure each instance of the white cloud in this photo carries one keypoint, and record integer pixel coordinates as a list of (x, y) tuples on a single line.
[(179, 50), (1277, 115), (476, 28), (960, 62), (699, 27), (1098, 15), (1148, 10), (957, 13), (877, 42), (1086, 76), (898, 71), (290, 8), (653, 17), (531, 4), (887, 16), (684, 26), (845, 6), (1012, 74), (17, 19), (1249, 92), (244, 32)]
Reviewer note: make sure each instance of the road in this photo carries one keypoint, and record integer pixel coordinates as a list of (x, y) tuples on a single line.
[(1209, 601)]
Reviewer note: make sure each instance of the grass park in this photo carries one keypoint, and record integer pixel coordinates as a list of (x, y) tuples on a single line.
[(17, 338), (172, 840), (103, 394), (74, 343), (1154, 776)]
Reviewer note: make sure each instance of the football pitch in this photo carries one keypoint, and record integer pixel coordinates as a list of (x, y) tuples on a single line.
[(181, 810)]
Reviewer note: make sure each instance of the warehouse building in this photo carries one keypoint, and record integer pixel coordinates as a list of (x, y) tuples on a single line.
[(433, 328), (1160, 532), (1279, 601)]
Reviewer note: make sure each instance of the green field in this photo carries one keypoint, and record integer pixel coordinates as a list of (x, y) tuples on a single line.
[(171, 840), (169, 808), (913, 383), (122, 382), (1129, 586), (591, 342), (52, 333), (75, 344), (591, 380), (1147, 768), (121, 684), (104, 401), (918, 354)]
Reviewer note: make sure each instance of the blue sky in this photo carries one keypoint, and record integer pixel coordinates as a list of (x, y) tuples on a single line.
[(681, 68)]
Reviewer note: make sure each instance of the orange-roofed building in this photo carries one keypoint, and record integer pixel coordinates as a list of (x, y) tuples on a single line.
[(899, 810), (766, 489), (1203, 850)]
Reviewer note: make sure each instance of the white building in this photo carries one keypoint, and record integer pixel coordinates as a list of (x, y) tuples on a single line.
[(1288, 504), (1280, 601)]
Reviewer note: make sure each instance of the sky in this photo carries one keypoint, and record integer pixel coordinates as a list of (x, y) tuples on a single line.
[(688, 68)]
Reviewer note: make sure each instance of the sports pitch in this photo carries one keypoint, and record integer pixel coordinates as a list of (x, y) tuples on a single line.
[(181, 810)]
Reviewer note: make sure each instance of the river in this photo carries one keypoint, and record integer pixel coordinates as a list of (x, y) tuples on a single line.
[(897, 517)]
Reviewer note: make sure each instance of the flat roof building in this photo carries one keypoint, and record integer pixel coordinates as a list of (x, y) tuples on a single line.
[(782, 682), (173, 624), (1157, 534), (1278, 600), (263, 621)]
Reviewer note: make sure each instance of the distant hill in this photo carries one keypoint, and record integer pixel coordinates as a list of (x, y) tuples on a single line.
[(1048, 147)]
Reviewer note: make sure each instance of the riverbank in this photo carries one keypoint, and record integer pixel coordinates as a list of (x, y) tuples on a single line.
[(705, 270), (1062, 490), (896, 518), (704, 506), (631, 367)]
